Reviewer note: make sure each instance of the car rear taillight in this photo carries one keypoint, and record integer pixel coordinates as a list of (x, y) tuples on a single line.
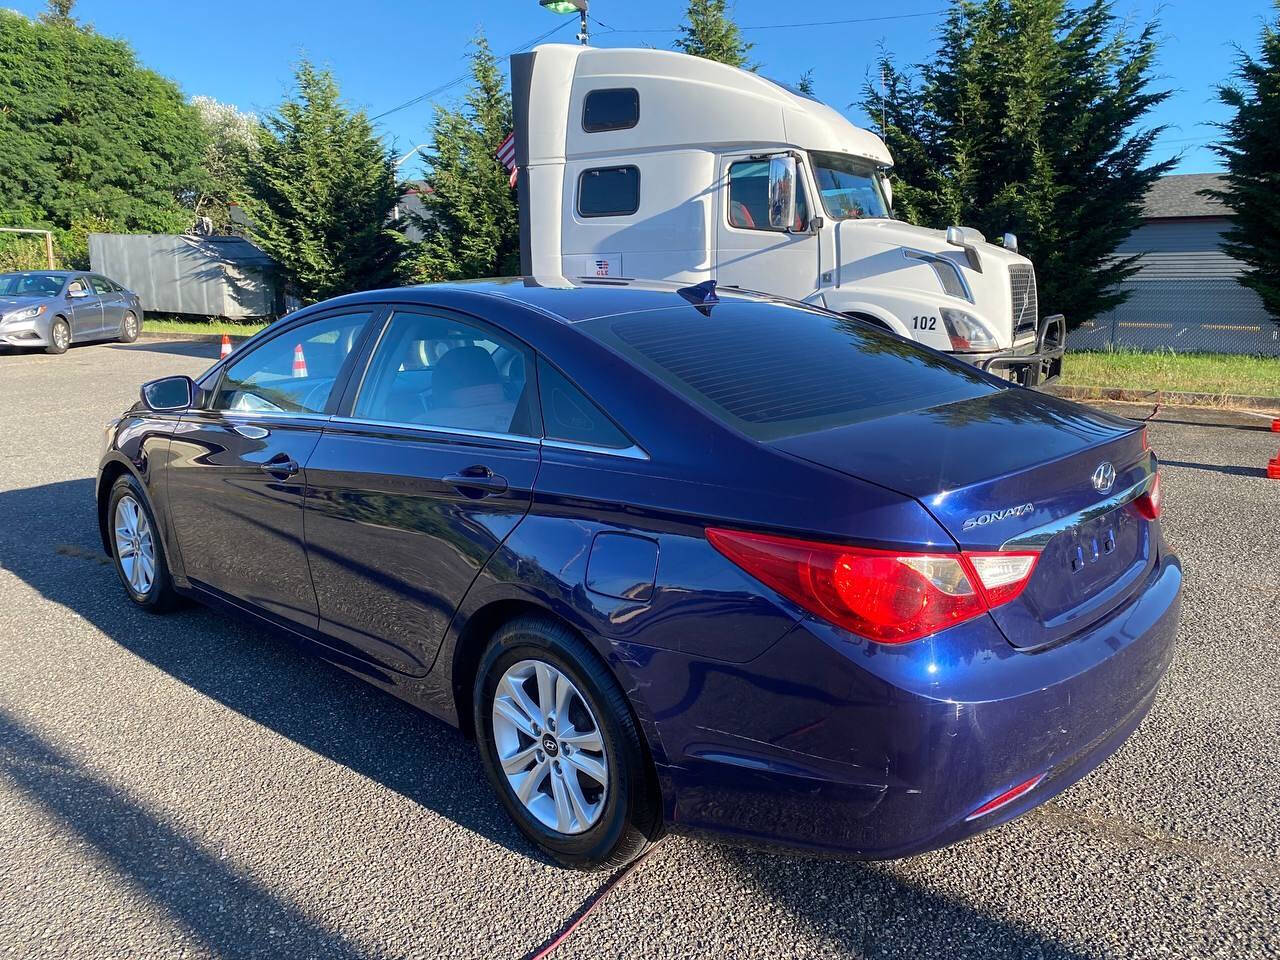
[(1151, 502), (890, 596)]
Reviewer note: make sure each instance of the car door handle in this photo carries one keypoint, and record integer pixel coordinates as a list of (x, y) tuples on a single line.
[(478, 479), (281, 466)]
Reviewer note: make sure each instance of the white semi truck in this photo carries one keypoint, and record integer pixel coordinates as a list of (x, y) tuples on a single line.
[(658, 165)]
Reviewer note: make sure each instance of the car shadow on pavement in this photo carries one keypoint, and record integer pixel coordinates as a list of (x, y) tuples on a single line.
[(181, 348), (872, 913), (254, 671), (192, 886)]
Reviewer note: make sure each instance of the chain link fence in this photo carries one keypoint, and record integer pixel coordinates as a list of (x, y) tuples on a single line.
[(1188, 316)]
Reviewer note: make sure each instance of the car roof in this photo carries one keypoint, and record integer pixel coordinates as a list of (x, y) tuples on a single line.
[(571, 300), (43, 273)]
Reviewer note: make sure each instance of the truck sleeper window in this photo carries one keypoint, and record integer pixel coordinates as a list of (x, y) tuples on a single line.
[(609, 192), (610, 110)]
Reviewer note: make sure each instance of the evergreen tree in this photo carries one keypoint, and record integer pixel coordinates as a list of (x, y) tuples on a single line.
[(471, 227), (710, 32), (805, 83), (1028, 120), (89, 140), (900, 115), (321, 187), (1250, 147)]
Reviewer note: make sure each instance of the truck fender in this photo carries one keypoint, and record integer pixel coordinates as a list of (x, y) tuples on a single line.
[(873, 314)]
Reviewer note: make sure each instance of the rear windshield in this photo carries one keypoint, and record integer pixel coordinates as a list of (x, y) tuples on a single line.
[(774, 370)]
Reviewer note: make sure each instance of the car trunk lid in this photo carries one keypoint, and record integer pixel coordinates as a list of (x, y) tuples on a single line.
[(1014, 470)]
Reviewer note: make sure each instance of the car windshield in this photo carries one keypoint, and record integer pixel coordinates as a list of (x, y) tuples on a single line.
[(30, 284), (850, 188)]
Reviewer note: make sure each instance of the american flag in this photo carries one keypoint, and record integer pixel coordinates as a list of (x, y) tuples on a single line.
[(506, 154)]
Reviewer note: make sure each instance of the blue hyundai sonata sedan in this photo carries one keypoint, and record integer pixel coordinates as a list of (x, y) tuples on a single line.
[(676, 560)]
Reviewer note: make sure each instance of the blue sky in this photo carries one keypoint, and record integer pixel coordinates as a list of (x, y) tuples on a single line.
[(386, 52)]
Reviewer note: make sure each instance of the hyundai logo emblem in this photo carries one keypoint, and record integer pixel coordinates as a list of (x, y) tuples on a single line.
[(1104, 477)]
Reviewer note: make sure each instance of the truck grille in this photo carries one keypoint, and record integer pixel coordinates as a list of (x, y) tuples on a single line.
[(1026, 309)]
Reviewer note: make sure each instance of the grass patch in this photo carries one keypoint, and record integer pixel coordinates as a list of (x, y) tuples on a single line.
[(1215, 373), (168, 324)]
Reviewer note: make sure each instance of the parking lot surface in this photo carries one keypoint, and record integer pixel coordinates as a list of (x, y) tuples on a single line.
[(192, 786)]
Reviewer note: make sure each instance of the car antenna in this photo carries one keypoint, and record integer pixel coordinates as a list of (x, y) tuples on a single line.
[(701, 295)]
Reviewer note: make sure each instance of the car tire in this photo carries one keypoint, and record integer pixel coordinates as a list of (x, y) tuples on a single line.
[(59, 337), (611, 819), (131, 524), (129, 328)]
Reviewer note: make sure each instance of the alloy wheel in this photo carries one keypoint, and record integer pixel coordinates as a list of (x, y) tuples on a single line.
[(135, 545), (550, 747), (61, 336), (130, 326)]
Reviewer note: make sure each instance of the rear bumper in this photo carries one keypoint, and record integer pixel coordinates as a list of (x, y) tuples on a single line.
[(1036, 362), (877, 752)]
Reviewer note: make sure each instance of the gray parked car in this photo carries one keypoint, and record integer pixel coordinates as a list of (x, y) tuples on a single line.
[(56, 308)]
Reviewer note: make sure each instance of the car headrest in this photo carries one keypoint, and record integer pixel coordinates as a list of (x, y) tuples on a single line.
[(460, 368)]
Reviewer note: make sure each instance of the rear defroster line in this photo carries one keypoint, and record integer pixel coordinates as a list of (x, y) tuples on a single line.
[(588, 905)]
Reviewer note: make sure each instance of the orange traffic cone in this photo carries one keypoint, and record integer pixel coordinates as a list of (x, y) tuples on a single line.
[(226, 347), (299, 362)]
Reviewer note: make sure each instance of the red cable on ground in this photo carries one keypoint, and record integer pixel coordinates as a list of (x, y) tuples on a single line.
[(544, 951)]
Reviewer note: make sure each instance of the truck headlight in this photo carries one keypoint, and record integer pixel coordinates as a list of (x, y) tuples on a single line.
[(965, 331)]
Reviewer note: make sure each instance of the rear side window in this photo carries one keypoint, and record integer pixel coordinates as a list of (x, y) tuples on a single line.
[(610, 110), (772, 370), (609, 192), (568, 415), (435, 371)]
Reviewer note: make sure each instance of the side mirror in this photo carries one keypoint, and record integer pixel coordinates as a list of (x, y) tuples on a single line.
[(1010, 242), (887, 186), (782, 192), (168, 394), (77, 293)]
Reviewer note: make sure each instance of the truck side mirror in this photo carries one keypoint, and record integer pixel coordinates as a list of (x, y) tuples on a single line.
[(887, 185), (782, 192)]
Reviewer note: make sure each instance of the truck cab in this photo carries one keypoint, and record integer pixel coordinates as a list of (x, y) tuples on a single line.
[(658, 165)]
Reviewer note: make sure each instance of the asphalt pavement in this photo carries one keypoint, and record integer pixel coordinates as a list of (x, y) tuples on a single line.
[(192, 786)]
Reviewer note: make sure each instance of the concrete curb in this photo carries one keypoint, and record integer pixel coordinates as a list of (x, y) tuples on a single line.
[(192, 337), (1264, 404)]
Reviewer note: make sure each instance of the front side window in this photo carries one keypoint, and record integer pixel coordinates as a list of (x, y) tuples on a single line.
[(609, 192), (434, 371), (849, 188), (749, 197), (293, 372)]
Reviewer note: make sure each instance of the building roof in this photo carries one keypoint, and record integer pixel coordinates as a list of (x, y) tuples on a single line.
[(1178, 195)]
